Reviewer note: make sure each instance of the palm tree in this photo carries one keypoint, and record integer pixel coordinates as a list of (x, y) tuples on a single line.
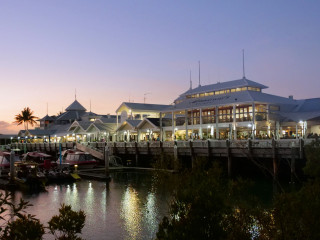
[(26, 118)]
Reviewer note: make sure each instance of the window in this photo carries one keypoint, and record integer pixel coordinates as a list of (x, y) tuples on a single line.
[(274, 108)]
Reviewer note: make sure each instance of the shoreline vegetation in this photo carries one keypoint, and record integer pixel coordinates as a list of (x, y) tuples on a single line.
[(16, 224), (208, 205)]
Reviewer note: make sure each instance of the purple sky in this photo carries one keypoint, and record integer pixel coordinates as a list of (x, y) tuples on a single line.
[(115, 50)]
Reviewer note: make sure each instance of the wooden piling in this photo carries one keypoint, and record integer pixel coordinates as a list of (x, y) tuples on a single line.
[(229, 158), (136, 153), (176, 159), (192, 154), (275, 167), (106, 161), (293, 166)]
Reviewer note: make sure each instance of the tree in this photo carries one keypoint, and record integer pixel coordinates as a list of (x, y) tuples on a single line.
[(67, 224), (207, 205), (26, 118), (15, 224)]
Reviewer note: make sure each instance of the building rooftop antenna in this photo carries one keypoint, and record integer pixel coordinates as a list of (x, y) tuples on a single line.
[(199, 75), (190, 81), (90, 105), (243, 69), (75, 94), (144, 96)]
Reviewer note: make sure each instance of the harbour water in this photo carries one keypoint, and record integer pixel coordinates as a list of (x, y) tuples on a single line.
[(129, 207)]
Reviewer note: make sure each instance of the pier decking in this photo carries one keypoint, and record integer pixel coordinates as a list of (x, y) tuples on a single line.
[(284, 148)]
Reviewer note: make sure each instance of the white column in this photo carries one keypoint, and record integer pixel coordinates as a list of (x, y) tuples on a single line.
[(161, 130), (117, 120), (253, 121), (216, 111), (277, 135), (192, 124), (305, 129), (173, 125)]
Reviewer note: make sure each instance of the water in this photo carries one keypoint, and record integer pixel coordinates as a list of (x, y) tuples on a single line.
[(130, 208)]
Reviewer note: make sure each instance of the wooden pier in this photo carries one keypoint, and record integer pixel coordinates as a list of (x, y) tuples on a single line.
[(284, 148), (274, 150)]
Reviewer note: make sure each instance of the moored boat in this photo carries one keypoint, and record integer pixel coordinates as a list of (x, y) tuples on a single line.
[(76, 159), (44, 160), (5, 161), (28, 177)]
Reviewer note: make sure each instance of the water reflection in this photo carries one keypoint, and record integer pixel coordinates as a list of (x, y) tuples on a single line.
[(131, 212), (151, 214), (128, 208)]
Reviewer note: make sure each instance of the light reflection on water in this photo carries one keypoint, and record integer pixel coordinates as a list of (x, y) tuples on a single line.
[(131, 213), (129, 208)]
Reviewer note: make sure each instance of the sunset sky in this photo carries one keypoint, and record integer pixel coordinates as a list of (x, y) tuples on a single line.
[(113, 51)]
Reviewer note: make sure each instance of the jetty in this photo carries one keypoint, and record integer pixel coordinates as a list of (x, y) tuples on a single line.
[(272, 150)]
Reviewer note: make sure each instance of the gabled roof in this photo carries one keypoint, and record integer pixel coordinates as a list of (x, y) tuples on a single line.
[(143, 106), (108, 119), (75, 106), (71, 115), (154, 122), (243, 82), (233, 98), (46, 118), (132, 123)]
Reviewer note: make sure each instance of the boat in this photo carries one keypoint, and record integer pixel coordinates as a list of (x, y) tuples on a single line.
[(28, 177), (76, 159), (44, 160), (5, 161)]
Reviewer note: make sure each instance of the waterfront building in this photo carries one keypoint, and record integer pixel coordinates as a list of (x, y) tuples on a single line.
[(239, 109), (131, 115), (75, 124)]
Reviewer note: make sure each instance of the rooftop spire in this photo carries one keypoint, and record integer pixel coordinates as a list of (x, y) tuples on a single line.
[(75, 94), (190, 80), (199, 75), (243, 70)]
